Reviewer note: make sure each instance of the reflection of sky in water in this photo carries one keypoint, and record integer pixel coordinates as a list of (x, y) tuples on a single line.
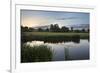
[(32, 43), (75, 51)]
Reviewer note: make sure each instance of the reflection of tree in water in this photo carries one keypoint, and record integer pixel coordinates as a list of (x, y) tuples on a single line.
[(75, 39), (67, 56), (61, 40), (88, 39), (52, 39)]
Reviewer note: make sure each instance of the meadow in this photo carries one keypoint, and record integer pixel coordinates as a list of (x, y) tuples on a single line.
[(56, 34), (53, 36)]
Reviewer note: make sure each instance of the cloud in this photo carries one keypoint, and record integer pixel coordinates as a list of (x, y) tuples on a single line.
[(67, 18)]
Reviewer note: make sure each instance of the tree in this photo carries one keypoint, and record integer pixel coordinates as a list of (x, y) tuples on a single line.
[(26, 28), (76, 30), (83, 30), (23, 29), (71, 28), (88, 30), (39, 29), (47, 29), (56, 28), (31, 29), (64, 29), (51, 27)]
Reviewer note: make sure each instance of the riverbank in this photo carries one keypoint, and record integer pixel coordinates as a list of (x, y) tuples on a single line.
[(53, 36)]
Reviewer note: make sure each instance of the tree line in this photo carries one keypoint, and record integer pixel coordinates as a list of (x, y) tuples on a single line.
[(53, 28)]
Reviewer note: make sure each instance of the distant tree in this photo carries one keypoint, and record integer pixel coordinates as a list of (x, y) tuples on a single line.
[(56, 28), (51, 27), (47, 29), (88, 30), (77, 30), (31, 29), (64, 29), (39, 29), (24, 29), (71, 28), (83, 30)]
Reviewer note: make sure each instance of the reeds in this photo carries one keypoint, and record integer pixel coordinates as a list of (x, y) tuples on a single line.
[(35, 53)]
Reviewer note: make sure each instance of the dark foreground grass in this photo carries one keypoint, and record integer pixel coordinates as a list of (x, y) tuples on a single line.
[(35, 53)]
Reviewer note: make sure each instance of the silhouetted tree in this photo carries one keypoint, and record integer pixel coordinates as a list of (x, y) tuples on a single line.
[(24, 29), (64, 29), (71, 28), (88, 30), (83, 30), (51, 27), (47, 29), (56, 28), (39, 29), (31, 29)]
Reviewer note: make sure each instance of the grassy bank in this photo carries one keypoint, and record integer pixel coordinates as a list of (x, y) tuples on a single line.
[(53, 37), (35, 53), (56, 34)]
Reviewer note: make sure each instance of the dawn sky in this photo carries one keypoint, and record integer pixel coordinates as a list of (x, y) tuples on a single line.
[(34, 18)]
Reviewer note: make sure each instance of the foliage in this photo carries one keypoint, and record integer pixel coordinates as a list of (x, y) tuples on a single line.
[(64, 29), (53, 28)]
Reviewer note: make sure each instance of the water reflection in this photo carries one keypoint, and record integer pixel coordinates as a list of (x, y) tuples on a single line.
[(52, 39), (72, 50)]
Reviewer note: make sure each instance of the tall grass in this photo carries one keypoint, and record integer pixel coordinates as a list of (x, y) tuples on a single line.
[(35, 53)]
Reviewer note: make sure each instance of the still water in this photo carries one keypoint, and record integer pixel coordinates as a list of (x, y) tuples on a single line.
[(66, 50)]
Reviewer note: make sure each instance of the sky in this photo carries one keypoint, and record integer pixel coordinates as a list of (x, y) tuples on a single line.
[(35, 18)]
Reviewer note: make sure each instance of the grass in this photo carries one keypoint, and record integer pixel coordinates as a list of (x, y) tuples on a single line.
[(35, 53), (55, 34), (53, 37)]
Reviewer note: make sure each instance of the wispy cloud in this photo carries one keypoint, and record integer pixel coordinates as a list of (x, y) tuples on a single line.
[(35, 18), (68, 18)]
